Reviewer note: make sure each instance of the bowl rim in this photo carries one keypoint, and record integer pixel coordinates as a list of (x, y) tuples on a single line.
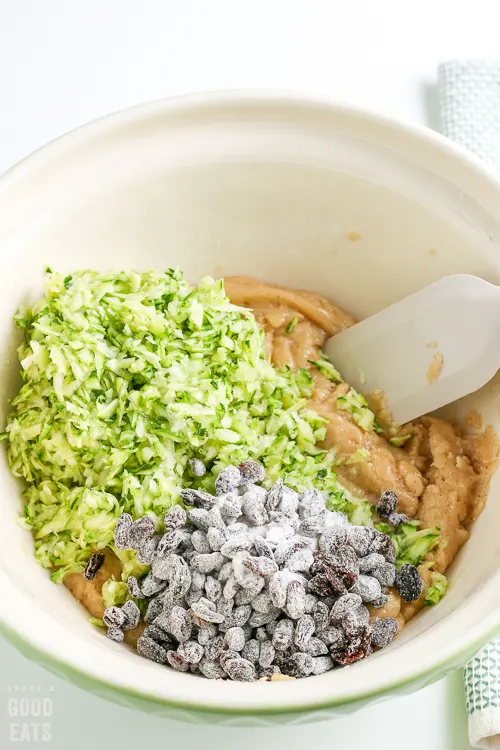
[(471, 167), (126, 696)]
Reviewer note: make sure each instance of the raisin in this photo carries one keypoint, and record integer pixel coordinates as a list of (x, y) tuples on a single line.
[(247, 595), (387, 503), (238, 617), (197, 467), (292, 547), (368, 588), (267, 654), (356, 649), (122, 529), (151, 650), (261, 635), (283, 635), (240, 670), (333, 539), (333, 637), (383, 631), (132, 615), (371, 562), (215, 538), (315, 647), (176, 518), (213, 589), (311, 602), (191, 651), (155, 608), (151, 585), (200, 542), (252, 472), (214, 648), (251, 651), (114, 617), (180, 624), (226, 655), (234, 639), (408, 583), (140, 531), (228, 480), (262, 603), (161, 568), (230, 507), (159, 635), (204, 611), (322, 664), (207, 563), (304, 629), (275, 495), (385, 574), (312, 503), (327, 585), (263, 548), (199, 517), (134, 588), (211, 669), (278, 584), (300, 561), (382, 544), (295, 599), (258, 619), (180, 577), (253, 508), (205, 635), (360, 538), (94, 565), (289, 502), (338, 572), (147, 551), (312, 525), (177, 661), (343, 606), (115, 634), (321, 615), (198, 499), (235, 545), (343, 562), (298, 665), (263, 566)]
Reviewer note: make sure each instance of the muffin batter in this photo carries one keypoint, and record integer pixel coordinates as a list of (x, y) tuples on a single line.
[(440, 476)]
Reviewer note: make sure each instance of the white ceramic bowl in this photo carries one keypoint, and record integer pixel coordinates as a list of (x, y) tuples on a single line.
[(265, 185)]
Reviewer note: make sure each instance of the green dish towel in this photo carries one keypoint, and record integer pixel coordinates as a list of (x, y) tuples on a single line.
[(469, 94)]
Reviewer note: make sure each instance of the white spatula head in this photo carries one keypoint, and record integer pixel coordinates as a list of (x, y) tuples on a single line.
[(427, 350)]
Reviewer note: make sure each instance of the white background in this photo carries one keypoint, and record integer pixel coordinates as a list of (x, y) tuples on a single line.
[(65, 62)]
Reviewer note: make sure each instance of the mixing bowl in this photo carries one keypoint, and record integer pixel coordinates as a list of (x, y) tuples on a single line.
[(303, 193)]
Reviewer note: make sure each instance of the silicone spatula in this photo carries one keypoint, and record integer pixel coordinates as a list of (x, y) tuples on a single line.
[(429, 349)]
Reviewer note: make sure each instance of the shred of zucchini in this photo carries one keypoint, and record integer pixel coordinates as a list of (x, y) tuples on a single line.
[(400, 440), (437, 589), (410, 542), (129, 375), (97, 622)]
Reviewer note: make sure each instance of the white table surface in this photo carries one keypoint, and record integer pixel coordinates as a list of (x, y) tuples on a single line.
[(65, 62)]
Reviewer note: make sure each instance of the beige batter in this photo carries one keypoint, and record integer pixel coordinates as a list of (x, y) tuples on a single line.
[(440, 477)]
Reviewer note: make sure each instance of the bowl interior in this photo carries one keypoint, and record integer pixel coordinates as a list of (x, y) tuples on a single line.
[(299, 194)]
